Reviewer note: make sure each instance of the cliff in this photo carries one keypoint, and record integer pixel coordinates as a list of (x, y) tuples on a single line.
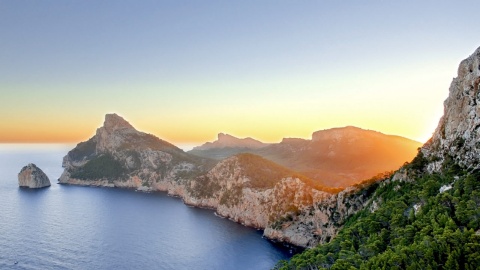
[(32, 177), (120, 156), (457, 137)]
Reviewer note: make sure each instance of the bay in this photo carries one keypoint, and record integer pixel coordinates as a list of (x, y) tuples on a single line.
[(73, 227)]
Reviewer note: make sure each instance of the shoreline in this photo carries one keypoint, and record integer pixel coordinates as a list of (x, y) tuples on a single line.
[(294, 249)]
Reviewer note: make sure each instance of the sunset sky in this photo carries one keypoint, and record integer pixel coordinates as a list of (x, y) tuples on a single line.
[(187, 70)]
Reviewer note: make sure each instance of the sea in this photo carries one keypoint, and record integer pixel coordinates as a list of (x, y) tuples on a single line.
[(75, 227)]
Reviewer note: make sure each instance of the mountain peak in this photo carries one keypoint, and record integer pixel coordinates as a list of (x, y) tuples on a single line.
[(339, 133), (223, 136), (115, 122), (458, 131), (228, 141)]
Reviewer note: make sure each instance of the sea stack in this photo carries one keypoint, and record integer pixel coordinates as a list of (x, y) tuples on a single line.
[(32, 177)]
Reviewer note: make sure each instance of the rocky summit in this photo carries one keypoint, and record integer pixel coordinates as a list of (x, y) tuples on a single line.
[(120, 156), (32, 177), (227, 140), (457, 137)]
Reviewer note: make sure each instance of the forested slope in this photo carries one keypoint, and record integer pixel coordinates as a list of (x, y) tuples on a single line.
[(431, 222)]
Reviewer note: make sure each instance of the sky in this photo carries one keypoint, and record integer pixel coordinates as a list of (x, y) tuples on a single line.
[(187, 70)]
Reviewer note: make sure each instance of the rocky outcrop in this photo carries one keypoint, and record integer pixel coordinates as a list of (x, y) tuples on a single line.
[(457, 137), (320, 221), (32, 177), (120, 156)]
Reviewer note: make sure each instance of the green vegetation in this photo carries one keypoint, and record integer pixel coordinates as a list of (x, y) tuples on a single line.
[(231, 196), (83, 150), (415, 227), (101, 167), (205, 188)]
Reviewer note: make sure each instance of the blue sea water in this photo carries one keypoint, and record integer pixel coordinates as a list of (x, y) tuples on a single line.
[(73, 227)]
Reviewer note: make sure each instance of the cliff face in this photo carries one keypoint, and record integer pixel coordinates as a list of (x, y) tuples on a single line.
[(251, 190), (457, 136), (258, 193), (319, 221), (120, 156), (32, 177)]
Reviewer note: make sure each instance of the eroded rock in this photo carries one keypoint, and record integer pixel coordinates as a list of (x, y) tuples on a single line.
[(32, 177)]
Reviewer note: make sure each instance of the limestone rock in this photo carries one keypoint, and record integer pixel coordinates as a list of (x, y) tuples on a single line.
[(32, 177), (121, 156), (457, 136)]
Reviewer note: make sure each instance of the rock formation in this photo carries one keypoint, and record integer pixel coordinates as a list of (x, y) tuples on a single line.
[(457, 137), (32, 177), (120, 156)]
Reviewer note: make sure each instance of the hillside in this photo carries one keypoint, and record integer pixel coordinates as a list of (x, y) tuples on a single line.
[(337, 157), (427, 215)]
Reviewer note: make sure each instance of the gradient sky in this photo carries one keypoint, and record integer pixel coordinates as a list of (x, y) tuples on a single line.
[(186, 70)]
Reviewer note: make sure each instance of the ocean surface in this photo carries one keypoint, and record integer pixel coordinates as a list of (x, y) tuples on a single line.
[(73, 227)]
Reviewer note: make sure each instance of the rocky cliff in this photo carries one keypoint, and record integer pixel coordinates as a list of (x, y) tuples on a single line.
[(457, 137), (259, 193), (32, 177), (120, 156)]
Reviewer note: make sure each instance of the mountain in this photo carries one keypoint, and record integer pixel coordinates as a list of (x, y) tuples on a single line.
[(425, 216), (337, 157), (226, 146), (120, 156), (226, 140)]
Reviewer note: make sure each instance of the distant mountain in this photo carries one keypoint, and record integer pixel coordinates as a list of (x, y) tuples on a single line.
[(226, 146), (337, 157), (226, 140)]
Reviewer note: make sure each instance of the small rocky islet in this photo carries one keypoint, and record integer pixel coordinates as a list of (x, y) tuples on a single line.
[(32, 177)]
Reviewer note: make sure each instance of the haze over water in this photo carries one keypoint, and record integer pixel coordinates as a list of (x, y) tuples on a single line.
[(72, 227)]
